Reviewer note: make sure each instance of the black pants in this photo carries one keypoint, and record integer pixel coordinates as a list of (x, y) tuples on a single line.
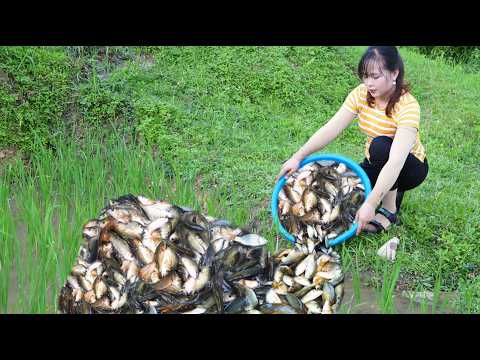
[(412, 174)]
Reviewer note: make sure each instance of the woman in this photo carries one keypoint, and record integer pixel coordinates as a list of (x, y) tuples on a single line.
[(389, 115)]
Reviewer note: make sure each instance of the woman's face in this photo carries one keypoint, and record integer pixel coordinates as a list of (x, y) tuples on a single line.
[(379, 82)]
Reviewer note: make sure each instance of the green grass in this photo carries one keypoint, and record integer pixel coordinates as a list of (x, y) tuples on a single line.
[(34, 93), (220, 121)]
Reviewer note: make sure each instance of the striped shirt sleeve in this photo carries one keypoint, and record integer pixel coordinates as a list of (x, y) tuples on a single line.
[(409, 115), (351, 102)]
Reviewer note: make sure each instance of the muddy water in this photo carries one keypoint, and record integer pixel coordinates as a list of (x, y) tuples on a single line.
[(369, 301)]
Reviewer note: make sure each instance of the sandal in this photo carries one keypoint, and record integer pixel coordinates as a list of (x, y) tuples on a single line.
[(393, 218)]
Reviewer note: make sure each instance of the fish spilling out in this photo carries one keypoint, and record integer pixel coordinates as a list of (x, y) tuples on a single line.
[(319, 202), (143, 256)]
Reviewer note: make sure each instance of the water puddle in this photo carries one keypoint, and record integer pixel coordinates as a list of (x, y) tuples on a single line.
[(367, 300)]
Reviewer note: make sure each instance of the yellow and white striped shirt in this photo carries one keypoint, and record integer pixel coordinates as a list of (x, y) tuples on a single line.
[(374, 122)]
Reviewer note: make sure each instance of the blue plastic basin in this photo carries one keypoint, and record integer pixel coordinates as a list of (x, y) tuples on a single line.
[(339, 158)]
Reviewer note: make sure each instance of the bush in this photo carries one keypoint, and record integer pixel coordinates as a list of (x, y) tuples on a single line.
[(34, 93), (454, 54), (99, 104)]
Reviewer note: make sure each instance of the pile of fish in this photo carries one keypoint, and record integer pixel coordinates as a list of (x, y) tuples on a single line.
[(145, 256), (319, 202), (313, 279)]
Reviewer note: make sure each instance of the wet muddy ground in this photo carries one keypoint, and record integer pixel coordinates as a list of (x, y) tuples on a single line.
[(369, 301)]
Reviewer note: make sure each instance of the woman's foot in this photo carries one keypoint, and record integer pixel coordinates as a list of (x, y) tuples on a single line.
[(382, 220)]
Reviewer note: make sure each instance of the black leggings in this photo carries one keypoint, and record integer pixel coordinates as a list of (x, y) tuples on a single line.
[(412, 174)]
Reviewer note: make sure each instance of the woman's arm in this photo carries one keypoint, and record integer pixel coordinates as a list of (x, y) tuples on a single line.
[(326, 134)]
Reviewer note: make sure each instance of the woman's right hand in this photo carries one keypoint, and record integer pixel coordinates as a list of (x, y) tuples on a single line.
[(288, 168)]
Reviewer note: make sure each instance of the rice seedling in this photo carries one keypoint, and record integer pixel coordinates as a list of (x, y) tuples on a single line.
[(386, 291)]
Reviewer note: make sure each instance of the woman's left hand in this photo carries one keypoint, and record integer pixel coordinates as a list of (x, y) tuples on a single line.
[(364, 215)]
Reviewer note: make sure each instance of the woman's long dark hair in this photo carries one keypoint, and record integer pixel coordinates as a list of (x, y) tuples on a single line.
[(387, 57)]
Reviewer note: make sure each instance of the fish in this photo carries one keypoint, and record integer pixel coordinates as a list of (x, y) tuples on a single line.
[(327, 308), (309, 200), (272, 297), (146, 273), (329, 275), (245, 301), (189, 285), (253, 311), (334, 214), (287, 280), (79, 270), (337, 279), (251, 240), (102, 304), (331, 189), (86, 285), (301, 267), (293, 257), (202, 280), (278, 274), (157, 230), (286, 207), (280, 288), (145, 255), (165, 258), (190, 266), (281, 254), (99, 287), (313, 307), (328, 293), (197, 310), (89, 297), (105, 251), (130, 230), (339, 291), (298, 209), (252, 284), (341, 168), (196, 243), (119, 278), (312, 233), (278, 309), (159, 209), (121, 247), (313, 217), (295, 302), (170, 283), (218, 244), (77, 294), (132, 272), (311, 295), (310, 266), (120, 302), (292, 195), (302, 280)]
